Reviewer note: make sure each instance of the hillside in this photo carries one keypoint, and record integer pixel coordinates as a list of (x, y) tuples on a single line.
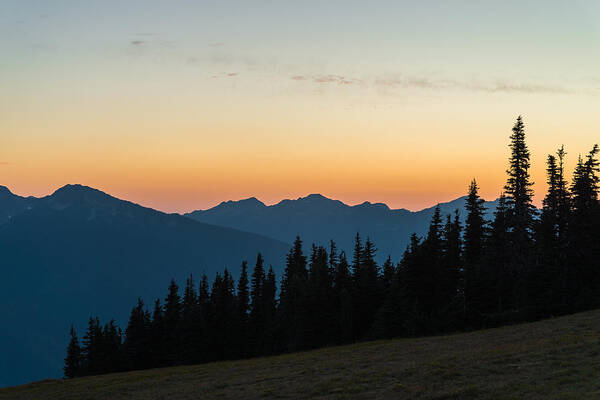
[(80, 251), (318, 219), (552, 359)]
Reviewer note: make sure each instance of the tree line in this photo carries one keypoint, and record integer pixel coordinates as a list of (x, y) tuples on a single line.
[(523, 264)]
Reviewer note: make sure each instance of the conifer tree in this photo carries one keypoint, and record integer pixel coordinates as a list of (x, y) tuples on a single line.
[(563, 199), (72, 366), (333, 257), (269, 309), (257, 303), (500, 283), (519, 197), (202, 327), (357, 255), (243, 306), (319, 300), (172, 321), (546, 288), (157, 336), (230, 317), (416, 279), (451, 302), (137, 337), (474, 239), (91, 355), (188, 329), (111, 348), (293, 315), (242, 293), (367, 292), (342, 286), (430, 296), (388, 275), (584, 234)]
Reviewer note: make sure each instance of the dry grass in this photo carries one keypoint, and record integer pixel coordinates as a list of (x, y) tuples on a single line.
[(551, 359)]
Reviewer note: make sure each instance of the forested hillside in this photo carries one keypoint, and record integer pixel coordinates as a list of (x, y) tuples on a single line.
[(517, 267)]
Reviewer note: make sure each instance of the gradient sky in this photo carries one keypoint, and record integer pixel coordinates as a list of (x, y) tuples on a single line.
[(180, 105)]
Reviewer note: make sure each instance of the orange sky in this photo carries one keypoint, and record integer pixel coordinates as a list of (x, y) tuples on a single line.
[(180, 108)]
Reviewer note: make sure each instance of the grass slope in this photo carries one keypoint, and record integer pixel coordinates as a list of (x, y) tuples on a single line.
[(551, 359)]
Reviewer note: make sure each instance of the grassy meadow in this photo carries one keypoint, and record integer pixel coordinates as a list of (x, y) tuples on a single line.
[(551, 359)]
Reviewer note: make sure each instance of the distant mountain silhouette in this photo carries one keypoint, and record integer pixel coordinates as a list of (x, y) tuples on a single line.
[(11, 204), (317, 219), (80, 250)]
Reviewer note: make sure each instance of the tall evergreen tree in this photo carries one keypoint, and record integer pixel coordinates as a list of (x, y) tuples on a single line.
[(243, 307), (91, 349), (257, 312), (451, 302), (321, 325), (388, 275), (112, 348), (243, 294), (519, 195), (293, 315), (431, 297), (367, 291), (342, 286), (137, 338), (172, 324), (500, 280), (584, 234), (72, 366), (474, 239), (188, 324), (546, 288), (269, 309), (157, 336), (416, 274)]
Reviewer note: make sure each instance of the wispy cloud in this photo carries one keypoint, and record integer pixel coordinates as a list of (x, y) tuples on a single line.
[(490, 87), (225, 75), (5, 163), (137, 42), (524, 88), (413, 82), (336, 79)]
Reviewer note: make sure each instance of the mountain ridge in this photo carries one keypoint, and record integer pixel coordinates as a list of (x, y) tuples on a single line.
[(80, 251), (318, 219)]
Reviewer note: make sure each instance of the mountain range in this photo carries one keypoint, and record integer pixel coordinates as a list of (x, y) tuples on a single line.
[(318, 219), (80, 252)]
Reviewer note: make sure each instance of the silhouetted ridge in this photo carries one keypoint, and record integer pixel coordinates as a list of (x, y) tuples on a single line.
[(80, 249), (376, 206), (251, 202), (4, 191), (79, 192), (318, 219)]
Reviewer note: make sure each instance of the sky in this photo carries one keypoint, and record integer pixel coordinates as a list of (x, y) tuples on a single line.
[(180, 105)]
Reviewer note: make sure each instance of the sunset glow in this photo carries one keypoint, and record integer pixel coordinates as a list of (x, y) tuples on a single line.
[(187, 106)]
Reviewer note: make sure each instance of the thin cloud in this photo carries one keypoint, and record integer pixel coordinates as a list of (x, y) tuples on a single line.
[(527, 88), (445, 84), (137, 42), (336, 79), (226, 75), (5, 163), (414, 82)]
